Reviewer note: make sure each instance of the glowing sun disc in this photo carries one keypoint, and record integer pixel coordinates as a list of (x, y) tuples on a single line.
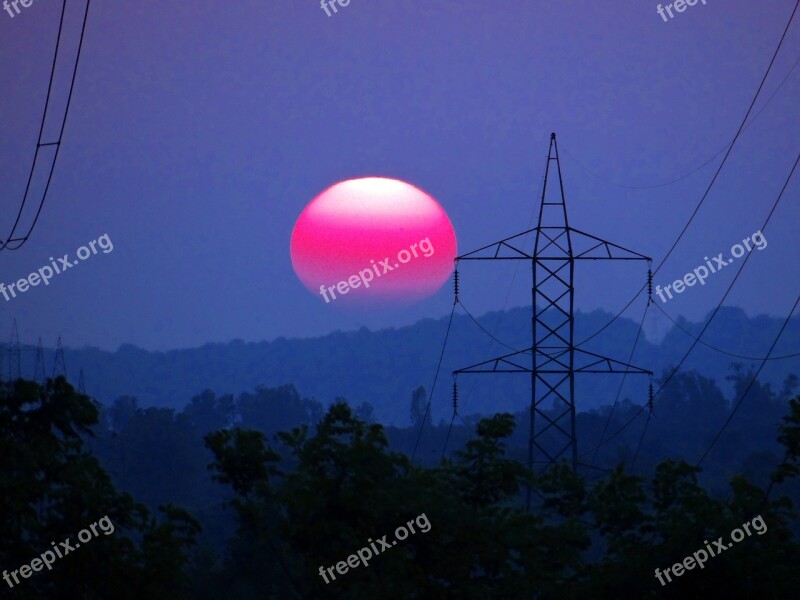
[(373, 240)]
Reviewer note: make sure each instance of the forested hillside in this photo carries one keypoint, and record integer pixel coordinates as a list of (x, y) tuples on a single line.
[(382, 367)]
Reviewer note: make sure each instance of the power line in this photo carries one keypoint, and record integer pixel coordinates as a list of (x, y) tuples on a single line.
[(641, 440), (447, 439), (716, 174), (486, 331), (733, 143), (621, 384), (713, 314), (735, 278), (617, 432), (452, 420), (749, 385), (720, 350), (20, 240), (614, 318), (435, 378), (699, 167), (501, 314)]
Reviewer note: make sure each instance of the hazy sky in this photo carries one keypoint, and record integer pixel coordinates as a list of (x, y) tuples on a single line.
[(200, 130)]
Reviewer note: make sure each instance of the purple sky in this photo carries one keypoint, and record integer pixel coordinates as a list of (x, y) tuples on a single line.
[(199, 131)]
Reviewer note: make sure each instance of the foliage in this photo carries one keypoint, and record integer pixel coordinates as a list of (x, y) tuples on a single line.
[(311, 494), (51, 488)]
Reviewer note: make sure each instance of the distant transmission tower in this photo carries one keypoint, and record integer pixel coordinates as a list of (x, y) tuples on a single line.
[(553, 359), (14, 354), (59, 366)]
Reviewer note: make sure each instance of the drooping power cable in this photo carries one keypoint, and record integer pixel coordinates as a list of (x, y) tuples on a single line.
[(12, 242), (716, 174)]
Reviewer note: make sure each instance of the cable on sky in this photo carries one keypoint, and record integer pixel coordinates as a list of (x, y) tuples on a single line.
[(708, 322), (716, 174), (701, 165), (15, 241)]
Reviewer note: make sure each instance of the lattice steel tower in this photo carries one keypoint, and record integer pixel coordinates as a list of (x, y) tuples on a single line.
[(14, 355), (553, 360)]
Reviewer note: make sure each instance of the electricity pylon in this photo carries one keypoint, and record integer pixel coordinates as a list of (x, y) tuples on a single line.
[(553, 360), (59, 366), (14, 354)]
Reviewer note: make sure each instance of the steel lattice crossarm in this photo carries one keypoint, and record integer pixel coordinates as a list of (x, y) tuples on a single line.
[(553, 360), (596, 248)]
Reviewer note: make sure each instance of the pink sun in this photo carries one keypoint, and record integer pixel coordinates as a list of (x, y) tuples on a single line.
[(373, 240)]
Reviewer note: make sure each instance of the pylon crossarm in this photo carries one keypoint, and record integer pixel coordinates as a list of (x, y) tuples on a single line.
[(589, 253), (495, 362), (611, 365), (517, 253), (607, 246)]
